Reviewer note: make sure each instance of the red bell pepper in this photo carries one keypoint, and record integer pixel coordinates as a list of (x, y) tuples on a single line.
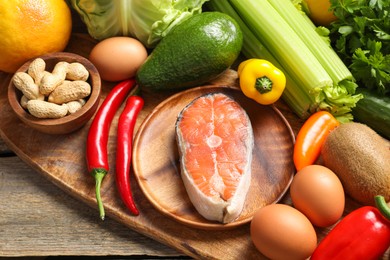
[(362, 234)]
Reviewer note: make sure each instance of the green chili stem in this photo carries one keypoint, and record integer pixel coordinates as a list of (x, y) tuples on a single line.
[(263, 85), (99, 174), (382, 206)]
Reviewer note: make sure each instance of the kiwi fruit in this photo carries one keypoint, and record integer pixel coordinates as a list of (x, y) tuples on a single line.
[(361, 159)]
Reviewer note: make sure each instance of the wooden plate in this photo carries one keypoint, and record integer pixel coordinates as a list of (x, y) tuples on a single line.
[(156, 158)]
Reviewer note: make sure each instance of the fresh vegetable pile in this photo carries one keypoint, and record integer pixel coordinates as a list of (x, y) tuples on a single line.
[(329, 76), (286, 57)]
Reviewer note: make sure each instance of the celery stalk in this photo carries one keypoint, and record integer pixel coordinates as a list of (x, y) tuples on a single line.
[(309, 86), (300, 102), (283, 42), (328, 58)]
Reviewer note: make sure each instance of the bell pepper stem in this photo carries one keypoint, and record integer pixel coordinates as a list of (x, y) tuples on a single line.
[(382, 206), (263, 85), (99, 174)]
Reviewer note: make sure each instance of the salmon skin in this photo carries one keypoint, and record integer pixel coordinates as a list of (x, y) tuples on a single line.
[(215, 140)]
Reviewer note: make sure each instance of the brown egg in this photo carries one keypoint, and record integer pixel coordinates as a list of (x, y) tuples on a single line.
[(118, 58), (280, 231), (318, 193)]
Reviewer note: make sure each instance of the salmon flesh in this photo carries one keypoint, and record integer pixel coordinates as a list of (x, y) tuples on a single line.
[(215, 140)]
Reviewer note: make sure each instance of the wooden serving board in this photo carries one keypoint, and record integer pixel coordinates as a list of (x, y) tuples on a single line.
[(61, 159)]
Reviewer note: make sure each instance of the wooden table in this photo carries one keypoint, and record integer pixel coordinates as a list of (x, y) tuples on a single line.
[(39, 219)]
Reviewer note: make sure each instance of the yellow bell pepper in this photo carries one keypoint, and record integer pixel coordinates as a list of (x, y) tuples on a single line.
[(261, 81)]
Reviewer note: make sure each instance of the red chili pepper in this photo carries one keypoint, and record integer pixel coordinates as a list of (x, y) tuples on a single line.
[(362, 234), (311, 137), (96, 150), (126, 126)]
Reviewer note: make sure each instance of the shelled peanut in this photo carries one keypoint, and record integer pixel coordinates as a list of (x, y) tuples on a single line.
[(53, 94)]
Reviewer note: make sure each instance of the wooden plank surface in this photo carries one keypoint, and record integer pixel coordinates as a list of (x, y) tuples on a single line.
[(39, 219), (4, 150)]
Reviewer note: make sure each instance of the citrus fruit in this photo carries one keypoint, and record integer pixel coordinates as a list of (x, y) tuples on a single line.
[(319, 12), (30, 28)]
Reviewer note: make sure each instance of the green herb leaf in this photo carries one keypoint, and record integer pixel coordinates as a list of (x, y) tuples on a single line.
[(372, 67), (361, 37)]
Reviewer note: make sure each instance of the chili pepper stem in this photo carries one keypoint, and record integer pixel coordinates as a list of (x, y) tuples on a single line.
[(382, 206), (99, 174)]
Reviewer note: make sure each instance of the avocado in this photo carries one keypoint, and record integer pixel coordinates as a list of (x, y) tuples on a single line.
[(194, 52)]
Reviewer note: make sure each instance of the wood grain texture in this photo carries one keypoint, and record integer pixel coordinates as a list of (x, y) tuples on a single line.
[(38, 219), (60, 159), (4, 150)]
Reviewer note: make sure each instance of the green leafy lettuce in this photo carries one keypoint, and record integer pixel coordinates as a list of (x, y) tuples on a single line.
[(147, 20)]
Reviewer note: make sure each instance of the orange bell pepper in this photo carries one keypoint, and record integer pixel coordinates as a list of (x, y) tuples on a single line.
[(311, 136)]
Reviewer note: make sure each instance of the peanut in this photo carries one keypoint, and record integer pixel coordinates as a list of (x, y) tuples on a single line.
[(23, 101), (25, 83), (55, 94), (50, 81), (76, 105), (70, 91), (44, 109), (37, 69), (77, 71)]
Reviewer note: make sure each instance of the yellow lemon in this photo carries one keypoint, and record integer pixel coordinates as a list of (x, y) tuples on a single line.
[(319, 12), (30, 28)]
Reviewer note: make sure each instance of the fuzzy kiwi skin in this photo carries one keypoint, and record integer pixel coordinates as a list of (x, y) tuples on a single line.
[(361, 159)]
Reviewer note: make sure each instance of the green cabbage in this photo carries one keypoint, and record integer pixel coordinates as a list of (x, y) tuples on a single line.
[(147, 20)]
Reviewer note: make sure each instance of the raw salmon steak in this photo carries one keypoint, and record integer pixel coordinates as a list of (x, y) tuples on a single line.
[(215, 140)]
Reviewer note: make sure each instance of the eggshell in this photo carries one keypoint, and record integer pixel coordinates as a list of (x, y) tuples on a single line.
[(118, 58), (318, 193), (280, 231)]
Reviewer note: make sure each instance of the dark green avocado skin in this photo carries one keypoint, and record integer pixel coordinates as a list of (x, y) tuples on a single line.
[(193, 53)]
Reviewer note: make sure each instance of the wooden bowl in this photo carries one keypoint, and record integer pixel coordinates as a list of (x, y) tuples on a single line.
[(157, 167), (70, 122)]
